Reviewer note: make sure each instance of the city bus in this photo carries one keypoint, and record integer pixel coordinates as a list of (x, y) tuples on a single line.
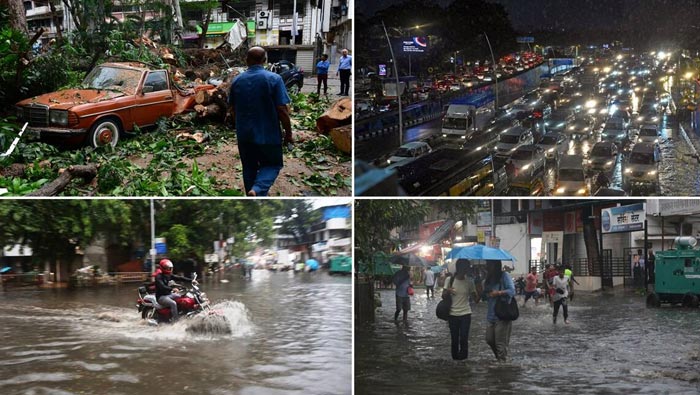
[(452, 172)]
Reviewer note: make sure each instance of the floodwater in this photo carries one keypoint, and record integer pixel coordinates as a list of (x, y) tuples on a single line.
[(291, 334), (613, 345)]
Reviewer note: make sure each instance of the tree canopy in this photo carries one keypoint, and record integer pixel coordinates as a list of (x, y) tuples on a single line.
[(55, 228)]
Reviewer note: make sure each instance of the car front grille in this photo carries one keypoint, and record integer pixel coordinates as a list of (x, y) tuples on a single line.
[(36, 114)]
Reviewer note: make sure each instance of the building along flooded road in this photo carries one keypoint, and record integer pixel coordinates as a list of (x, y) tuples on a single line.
[(614, 345), (290, 334)]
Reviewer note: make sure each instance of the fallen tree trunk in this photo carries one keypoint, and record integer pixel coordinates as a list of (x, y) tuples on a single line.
[(203, 97), (342, 138), (86, 172), (340, 114), (211, 110)]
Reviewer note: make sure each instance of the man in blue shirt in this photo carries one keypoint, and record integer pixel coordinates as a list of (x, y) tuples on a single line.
[(259, 100), (344, 70), (322, 74)]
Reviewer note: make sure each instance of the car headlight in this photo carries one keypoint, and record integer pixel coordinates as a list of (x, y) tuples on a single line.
[(551, 149), (609, 163), (589, 161), (652, 173), (581, 191), (640, 119), (513, 149), (628, 171), (58, 117), (388, 162), (463, 137), (655, 119), (561, 190), (656, 141), (527, 166)]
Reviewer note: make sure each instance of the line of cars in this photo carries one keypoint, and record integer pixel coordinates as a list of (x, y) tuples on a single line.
[(585, 134)]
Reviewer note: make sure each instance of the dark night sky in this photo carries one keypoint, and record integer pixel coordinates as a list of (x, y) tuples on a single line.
[(648, 15)]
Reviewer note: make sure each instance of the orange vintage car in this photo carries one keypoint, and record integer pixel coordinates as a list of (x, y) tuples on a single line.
[(113, 99)]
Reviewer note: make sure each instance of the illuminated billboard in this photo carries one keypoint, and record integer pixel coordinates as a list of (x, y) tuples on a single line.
[(414, 44)]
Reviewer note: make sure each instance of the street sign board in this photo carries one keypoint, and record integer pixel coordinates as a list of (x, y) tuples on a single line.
[(382, 70), (161, 245), (525, 40), (623, 218)]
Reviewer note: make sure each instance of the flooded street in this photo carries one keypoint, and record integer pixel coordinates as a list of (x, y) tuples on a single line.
[(614, 344), (291, 334)]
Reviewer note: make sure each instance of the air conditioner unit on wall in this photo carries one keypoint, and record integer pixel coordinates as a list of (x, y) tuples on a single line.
[(262, 20)]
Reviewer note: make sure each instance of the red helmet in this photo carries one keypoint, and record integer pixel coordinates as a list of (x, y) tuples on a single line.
[(166, 266)]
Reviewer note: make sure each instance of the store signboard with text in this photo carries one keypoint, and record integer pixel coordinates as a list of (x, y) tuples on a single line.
[(623, 218)]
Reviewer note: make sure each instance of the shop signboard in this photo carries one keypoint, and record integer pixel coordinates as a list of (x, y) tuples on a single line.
[(623, 218)]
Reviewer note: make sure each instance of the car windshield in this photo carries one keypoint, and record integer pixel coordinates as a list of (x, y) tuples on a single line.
[(600, 150), (571, 175), (641, 158), (113, 78), (647, 132), (403, 152), (522, 155), (509, 139), (455, 123)]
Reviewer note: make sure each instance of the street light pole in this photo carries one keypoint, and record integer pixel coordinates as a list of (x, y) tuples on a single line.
[(493, 59), (152, 252), (398, 87)]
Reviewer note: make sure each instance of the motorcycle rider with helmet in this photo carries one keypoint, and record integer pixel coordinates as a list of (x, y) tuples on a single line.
[(166, 294)]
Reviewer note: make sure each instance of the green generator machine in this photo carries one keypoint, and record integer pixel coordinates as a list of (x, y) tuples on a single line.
[(340, 264), (677, 275)]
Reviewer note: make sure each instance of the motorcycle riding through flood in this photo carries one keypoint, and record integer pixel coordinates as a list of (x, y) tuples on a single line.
[(158, 300)]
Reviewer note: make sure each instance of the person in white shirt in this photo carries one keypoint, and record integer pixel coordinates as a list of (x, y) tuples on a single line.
[(561, 293), (429, 281), (461, 287)]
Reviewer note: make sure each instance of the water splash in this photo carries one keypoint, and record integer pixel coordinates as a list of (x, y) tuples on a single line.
[(238, 317)]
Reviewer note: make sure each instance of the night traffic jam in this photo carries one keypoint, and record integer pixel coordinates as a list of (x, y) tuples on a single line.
[(593, 121)]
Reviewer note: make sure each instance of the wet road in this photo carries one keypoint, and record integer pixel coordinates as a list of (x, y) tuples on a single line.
[(614, 345), (290, 335)]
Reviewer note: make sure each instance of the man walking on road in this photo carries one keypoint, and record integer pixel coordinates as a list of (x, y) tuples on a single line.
[(531, 286), (402, 279), (429, 281), (344, 71), (259, 100), (560, 284)]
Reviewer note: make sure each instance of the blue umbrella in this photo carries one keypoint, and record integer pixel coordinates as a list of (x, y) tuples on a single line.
[(312, 264), (480, 252)]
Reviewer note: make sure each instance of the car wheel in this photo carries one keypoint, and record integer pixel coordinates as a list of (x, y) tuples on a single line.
[(104, 132), (294, 88)]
